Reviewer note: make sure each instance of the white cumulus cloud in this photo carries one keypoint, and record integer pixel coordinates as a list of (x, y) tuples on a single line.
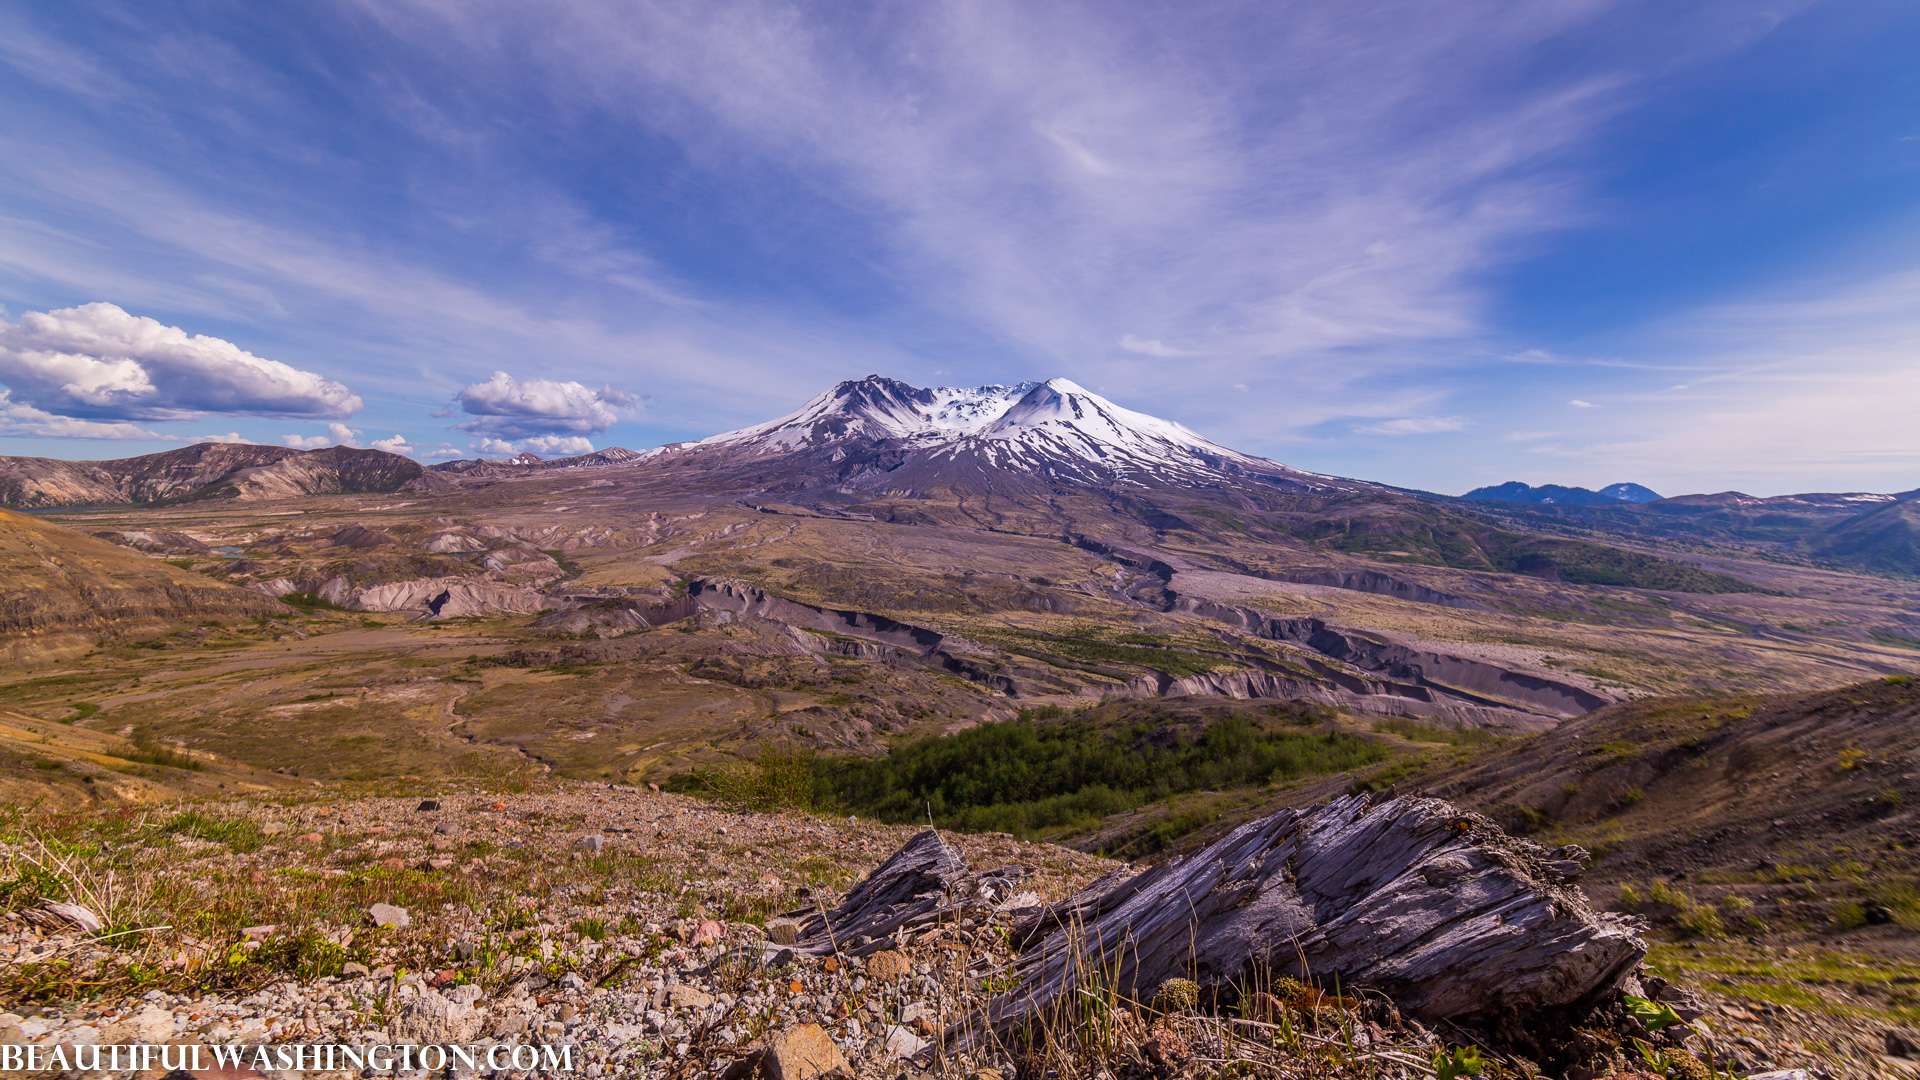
[(507, 408), (306, 442), (344, 435), (396, 445), (1578, 404), (558, 445), (98, 362)]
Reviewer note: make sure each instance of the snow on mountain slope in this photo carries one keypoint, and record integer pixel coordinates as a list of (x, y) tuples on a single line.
[(1055, 429), (877, 408)]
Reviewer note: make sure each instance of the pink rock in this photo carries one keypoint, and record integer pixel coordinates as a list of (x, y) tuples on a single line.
[(707, 933)]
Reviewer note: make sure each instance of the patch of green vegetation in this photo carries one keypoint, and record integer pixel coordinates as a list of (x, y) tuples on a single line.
[(1760, 975), (82, 710), (1024, 777), (240, 834), (780, 778), (1585, 563), (310, 602), (149, 751), (1418, 732), (1174, 663), (1898, 641), (26, 687)]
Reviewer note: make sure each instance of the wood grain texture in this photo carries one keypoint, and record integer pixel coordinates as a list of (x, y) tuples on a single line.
[(1438, 909)]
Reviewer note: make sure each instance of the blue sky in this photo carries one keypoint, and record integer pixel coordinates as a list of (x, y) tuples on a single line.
[(1437, 245)]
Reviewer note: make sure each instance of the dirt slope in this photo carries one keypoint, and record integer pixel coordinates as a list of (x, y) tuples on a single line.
[(61, 590)]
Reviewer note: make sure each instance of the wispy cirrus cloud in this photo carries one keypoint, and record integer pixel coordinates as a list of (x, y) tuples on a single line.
[(1282, 224), (1812, 388), (1415, 425)]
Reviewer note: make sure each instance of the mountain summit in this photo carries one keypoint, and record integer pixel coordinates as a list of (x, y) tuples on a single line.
[(1053, 430), (1515, 491)]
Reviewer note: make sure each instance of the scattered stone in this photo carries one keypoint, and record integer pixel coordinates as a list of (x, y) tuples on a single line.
[(572, 981), (430, 1018), (902, 1042), (654, 788), (462, 948), (445, 978), (428, 804), (389, 915), (275, 828), (256, 933), (498, 806), (682, 996), (707, 933), (150, 1024), (439, 864), (888, 966), (591, 843), (352, 969), (468, 994), (802, 1052), (783, 933), (394, 864), (309, 838)]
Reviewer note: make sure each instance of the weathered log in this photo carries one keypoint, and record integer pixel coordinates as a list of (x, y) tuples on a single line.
[(924, 882), (1436, 908)]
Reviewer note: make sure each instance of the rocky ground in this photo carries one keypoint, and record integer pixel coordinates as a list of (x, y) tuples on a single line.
[(641, 930)]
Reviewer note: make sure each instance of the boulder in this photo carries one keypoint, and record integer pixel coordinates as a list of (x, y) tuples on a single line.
[(389, 915), (802, 1052), (682, 996), (888, 966)]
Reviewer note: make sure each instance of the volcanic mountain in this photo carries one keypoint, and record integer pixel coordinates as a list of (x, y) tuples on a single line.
[(878, 435)]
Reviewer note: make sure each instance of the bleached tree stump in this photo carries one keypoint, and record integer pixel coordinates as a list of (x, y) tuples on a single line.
[(922, 883), (1436, 908)]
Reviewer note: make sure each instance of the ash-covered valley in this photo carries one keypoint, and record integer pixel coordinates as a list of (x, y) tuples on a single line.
[(882, 602)]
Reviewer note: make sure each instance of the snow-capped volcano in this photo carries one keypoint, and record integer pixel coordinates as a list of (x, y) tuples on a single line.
[(1054, 429), (877, 408)]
